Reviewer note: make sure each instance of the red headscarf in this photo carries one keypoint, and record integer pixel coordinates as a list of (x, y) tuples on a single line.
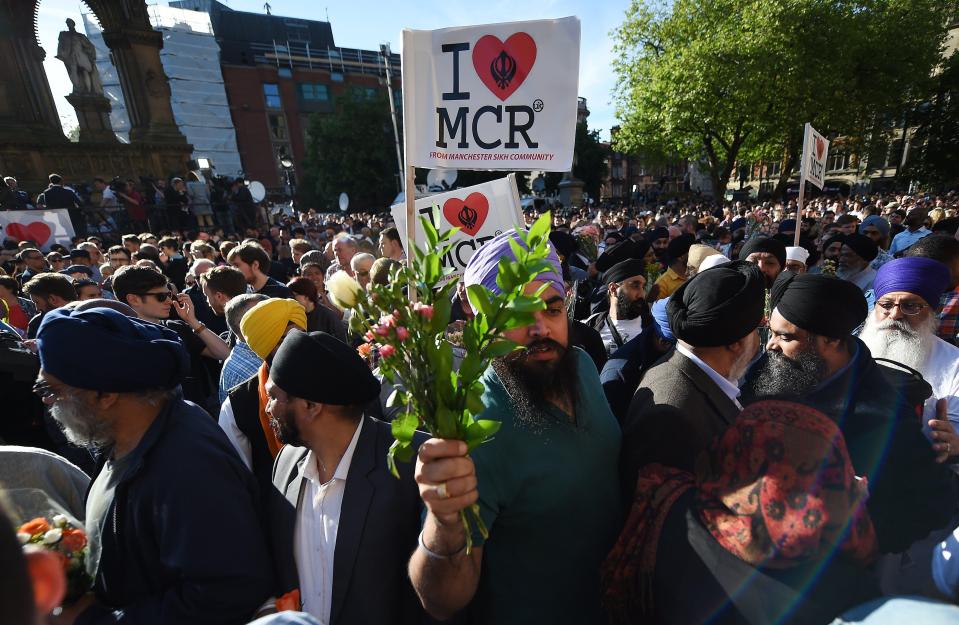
[(778, 489)]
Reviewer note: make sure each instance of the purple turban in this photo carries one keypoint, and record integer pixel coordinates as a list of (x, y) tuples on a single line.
[(482, 266), (924, 277)]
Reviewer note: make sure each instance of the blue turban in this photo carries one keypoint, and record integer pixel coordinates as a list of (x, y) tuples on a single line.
[(924, 277), (140, 355), (877, 222), (482, 267), (661, 319), (788, 225)]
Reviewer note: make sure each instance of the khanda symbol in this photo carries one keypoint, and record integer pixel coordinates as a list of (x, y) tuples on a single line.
[(503, 69), (467, 217)]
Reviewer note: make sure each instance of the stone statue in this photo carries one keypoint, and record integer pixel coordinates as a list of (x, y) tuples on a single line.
[(80, 57)]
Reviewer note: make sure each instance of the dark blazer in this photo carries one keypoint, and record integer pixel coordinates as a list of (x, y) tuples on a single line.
[(378, 529), (676, 413)]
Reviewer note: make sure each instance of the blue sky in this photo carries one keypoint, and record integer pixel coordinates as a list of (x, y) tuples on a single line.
[(359, 24)]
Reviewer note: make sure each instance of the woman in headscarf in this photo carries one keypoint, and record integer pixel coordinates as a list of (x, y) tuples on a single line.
[(772, 528)]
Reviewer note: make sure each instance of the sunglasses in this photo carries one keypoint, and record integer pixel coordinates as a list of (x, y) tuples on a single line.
[(160, 297)]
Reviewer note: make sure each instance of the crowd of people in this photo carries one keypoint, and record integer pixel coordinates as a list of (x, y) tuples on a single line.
[(706, 423)]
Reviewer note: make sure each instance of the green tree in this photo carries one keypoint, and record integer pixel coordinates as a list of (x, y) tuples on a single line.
[(351, 151), (935, 160), (728, 80)]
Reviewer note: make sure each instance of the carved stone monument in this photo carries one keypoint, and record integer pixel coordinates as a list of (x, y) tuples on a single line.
[(92, 107)]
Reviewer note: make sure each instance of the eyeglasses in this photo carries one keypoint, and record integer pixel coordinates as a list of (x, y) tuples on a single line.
[(160, 297), (907, 308)]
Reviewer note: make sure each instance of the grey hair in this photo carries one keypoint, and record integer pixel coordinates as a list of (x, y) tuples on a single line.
[(237, 306)]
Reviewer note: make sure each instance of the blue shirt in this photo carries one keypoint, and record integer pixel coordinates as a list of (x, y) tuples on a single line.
[(905, 239), (239, 366)]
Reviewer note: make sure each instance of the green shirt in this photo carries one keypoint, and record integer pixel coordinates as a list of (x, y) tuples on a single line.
[(549, 494)]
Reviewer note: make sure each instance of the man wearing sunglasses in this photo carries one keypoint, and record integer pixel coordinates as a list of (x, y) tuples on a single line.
[(902, 327), (147, 292)]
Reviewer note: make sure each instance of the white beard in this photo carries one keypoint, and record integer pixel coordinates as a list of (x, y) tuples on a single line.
[(897, 340)]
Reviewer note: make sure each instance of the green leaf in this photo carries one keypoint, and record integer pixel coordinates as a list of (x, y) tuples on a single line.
[(527, 304), (500, 347), (402, 451), (403, 426), (442, 305), (480, 431), (474, 402), (479, 298), (432, 238), (540, 228), (471, 367)]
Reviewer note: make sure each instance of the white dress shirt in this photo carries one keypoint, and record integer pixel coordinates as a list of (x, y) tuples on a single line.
[(728, 387), (941, 371), (627, 328), (237, 438), (314, 539)]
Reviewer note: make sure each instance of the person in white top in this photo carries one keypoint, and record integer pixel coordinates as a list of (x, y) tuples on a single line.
[(343, 528), (626, 288), (902, 327), (796, 258)]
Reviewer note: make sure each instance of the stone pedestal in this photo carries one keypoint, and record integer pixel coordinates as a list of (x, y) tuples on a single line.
[(93, 113), (571, 191)]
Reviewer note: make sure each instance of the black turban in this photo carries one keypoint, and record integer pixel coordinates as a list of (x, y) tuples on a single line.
[(765, 245), (624, 271), (862, 245), (823, 305), (718, 306), (679, 246), (619, 252), (839, 238), (565, 243), (320, 368), (657, 233)]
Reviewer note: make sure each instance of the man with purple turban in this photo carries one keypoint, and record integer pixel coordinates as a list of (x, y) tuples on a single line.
[(902, 327), (546, 484)]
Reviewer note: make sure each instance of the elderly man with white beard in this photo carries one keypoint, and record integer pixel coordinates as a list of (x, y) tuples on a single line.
[(902, 327)]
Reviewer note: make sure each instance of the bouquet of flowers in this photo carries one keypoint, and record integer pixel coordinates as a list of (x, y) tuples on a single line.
[(67, 541), (828, 267), (653, 272), (415, 353), (588, 238)]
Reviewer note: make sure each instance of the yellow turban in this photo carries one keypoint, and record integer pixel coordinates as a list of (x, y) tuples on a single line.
[(264, 324), (698, 253)]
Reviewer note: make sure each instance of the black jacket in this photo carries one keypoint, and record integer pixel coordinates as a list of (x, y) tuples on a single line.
[(378, 528), (910, 495), (624, 369), (245, 402), (56, 196), (183, 542), (175, 269)]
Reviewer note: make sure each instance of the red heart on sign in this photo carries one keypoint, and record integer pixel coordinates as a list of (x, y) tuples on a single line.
[(36, 231), (820, 146), (468, 215), (503, 66)]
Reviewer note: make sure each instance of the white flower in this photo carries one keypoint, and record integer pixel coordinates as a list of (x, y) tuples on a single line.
[(59, 520), (344, 290), (52, 536), (23, 537)]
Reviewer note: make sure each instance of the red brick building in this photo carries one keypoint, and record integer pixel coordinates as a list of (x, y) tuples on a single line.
[(277, 72)]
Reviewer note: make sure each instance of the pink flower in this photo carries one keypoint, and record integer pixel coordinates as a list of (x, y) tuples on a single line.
[(369, 336), (424, 309), (387, 350), (396, 315), (381, 329), (387, 321), (401, 333)]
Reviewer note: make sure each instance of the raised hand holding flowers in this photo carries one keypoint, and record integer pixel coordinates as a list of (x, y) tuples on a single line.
[(415, 355)]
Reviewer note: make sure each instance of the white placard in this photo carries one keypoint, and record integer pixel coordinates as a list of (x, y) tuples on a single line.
[(44, 227), (495, 96), (814, 154), (480, 212)]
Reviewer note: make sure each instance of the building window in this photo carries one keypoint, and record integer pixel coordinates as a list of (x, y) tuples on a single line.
[(271, 92), (837, 161), (314, 92), (285, 72), (336, 76), (278, 130)]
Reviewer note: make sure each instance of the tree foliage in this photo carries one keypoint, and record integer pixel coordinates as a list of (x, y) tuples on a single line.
[(590, 165), (351, 150), (935, 159), (721, 80)]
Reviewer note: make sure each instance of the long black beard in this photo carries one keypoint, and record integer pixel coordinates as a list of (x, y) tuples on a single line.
[(627, 309), (784, 377), (532, 386)]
